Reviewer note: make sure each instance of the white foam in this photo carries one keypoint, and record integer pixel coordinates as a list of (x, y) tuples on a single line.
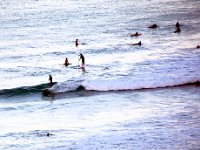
[(125, 83), (70, 85), (134, 83)]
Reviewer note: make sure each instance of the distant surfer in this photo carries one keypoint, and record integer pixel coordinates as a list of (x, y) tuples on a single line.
[(82, 58), (139, 43), (153, 26), (198, 46), (50, 80), (76, 43), (135, 34), (178, 29), (66, 62), (177, 25)]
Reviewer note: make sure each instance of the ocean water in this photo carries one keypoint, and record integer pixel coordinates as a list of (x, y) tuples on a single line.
[(133, 97)]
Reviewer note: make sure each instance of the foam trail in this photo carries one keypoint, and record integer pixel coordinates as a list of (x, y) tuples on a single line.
[(119, 84), (134, 83), (66, 86)]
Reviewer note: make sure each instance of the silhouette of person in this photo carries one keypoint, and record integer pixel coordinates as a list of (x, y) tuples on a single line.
[(178, 29), (50, 80), (82, 58), (177, 25), (66, 62), (76, 43)]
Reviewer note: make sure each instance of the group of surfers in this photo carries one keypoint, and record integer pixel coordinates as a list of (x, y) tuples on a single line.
[(154, 26), (66, 63), (82, 58)]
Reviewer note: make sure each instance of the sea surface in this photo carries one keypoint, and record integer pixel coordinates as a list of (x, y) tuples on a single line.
[(131, 97)]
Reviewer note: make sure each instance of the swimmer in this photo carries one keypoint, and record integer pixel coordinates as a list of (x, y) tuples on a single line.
[(139, 43), (66, 62), (153, 26), (82, 58), (198, 46), (135, 34)]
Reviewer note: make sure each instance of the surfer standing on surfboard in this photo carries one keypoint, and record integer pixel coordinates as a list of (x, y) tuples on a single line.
[(50, 80), (82, 58)]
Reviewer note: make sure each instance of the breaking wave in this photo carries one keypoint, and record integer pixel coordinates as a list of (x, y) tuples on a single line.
[(116, 84), (24, 90)]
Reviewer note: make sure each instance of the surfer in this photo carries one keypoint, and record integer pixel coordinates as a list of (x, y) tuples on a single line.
[(66, 62), (153, 26), (76, 43), (139, 43), (135, 34), (178, 29), (82, 58), (198, 46), (50, 80), (177, 25)]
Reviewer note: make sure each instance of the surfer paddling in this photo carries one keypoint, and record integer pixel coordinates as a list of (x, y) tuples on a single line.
[(82, 58), (136, 34), (153, 26)]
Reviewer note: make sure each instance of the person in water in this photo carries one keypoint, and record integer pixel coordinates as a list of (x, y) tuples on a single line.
[(153, 26), (198, 46), (76, 43), (139, 43), (66, 62), (135, 34), (50, 80), (177, 25), (178, 29), (82, 58)]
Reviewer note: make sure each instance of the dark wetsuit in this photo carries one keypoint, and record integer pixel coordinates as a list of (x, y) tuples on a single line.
[(66, 62), (82, 59), (177, 25), (50, 80), (76, 43), (153, 26)]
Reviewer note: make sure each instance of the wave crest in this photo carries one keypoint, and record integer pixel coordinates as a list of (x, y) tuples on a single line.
[(119, 84)]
